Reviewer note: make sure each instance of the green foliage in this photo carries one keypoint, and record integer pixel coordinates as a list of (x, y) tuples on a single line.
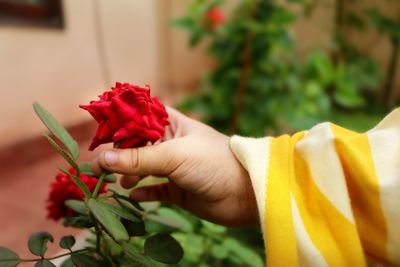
[(204, 243), (37, 243), (67, 242), (163, 248), (86, 168), (84, 260), (260, 85), (56, 128), (108, 220), (77, 206), (8, 258)]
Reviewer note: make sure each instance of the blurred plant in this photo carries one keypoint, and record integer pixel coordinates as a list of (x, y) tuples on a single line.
[(391, 28), (259, 84), (205, 243)]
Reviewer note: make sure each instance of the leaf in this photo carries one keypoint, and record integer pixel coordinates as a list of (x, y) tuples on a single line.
[(84, 260), (67, 241), (244, 253), (78, 182), (62, 153), (8, 258), (108, 220), (165, 221), (37, 243), (86, 168), (110, 178), (184, 22), (120, 212), (77, 206), (55, 128), (67, 263), (78, 221), (219, 251), (185, 224), (128, 199), (163, 248), (138, 257), (134, 228), (44, 263)]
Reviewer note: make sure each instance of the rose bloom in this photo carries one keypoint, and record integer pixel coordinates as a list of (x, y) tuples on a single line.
[(215, 17), (62, 189), (127, 116)]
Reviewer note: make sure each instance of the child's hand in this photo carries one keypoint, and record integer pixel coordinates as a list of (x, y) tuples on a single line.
[(205, 177)]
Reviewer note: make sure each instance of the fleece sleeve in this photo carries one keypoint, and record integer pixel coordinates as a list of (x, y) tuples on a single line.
[(328, 196)]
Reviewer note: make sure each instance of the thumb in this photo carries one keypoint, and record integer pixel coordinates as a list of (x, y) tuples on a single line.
[(148, 160)]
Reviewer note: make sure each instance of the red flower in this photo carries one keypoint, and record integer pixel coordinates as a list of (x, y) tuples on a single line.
[(62, 189), (127, 115), (215, 17)]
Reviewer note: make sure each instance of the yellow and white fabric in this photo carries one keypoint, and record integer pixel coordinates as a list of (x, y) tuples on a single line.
[(328, 196)]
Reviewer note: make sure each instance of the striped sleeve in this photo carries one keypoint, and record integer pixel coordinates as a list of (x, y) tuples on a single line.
[(328, 196)]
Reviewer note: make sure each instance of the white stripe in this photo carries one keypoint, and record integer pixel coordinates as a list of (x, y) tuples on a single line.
[(317, 149), (307, 252), (385, 146), (253, 153)]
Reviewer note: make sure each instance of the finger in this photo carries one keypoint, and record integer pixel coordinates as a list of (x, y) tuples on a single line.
[(168, 193), (128, 182), (155, 160)]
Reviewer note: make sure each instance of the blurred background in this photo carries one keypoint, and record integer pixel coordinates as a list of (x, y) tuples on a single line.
[(250, 67)]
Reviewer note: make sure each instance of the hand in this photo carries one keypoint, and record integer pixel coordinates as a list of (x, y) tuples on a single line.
[(205, 177)]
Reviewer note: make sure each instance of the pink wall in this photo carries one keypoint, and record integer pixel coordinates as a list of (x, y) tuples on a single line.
[(62, 69)]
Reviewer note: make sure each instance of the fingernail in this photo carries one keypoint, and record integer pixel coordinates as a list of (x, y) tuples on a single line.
[(110, 157)]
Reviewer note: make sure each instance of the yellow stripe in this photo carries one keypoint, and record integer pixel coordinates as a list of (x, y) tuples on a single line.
[(335, 237), (280, 238), (363, 185)]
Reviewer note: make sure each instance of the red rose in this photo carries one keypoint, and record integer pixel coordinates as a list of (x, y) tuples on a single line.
[(127, 115), (215, 17), (62, 189)]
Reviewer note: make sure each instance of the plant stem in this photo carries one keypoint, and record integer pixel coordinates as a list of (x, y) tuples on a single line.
[(244, 73), (98, 233), (391, 73), (99, 183), (55, 257)]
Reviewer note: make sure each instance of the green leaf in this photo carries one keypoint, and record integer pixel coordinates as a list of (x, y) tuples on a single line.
[(347, 97), (163, 248), (67, 241), (78, 221), (165, 221), (108, 220), (185, 224), (37, 243), (128, 199), (44, 263), (67, 263), (110, 178), (55, 128), (120, 212), (219, 251), (244, 253), (134, 228), (8, 258), (184, 22), (136, 256), (84, 260), (62, 153), (78, 182), (77, 206), (86, 168)]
